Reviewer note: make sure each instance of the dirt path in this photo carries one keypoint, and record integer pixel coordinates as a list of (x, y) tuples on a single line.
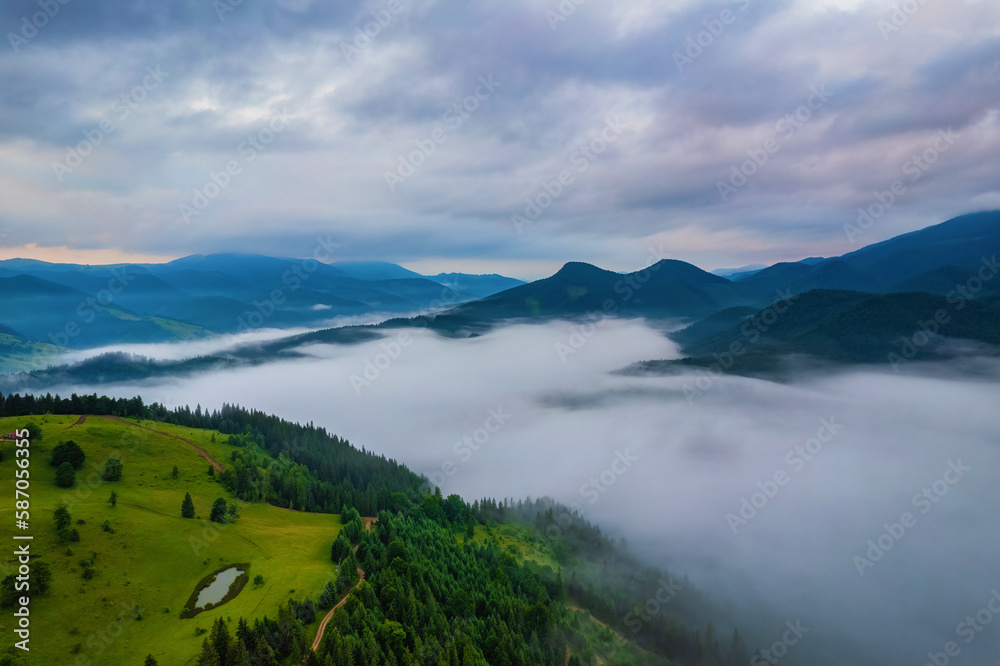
[(202, 452), (326, 620), (329, 616), (79, 421)]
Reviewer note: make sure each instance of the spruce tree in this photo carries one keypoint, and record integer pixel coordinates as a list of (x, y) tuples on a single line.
[(208, 656), (187, 506)]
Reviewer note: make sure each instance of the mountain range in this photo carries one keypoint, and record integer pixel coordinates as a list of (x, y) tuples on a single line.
[(860, 307), (78, 307)]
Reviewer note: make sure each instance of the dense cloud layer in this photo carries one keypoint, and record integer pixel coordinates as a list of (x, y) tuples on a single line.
[(826, 462), (310, 117)]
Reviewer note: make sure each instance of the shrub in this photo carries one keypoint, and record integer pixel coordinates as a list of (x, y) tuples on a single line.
[(65, 475), (68, 452)]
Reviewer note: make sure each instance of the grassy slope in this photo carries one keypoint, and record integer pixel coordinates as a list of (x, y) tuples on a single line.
[(594, 638), (150, 559), (17, 354)]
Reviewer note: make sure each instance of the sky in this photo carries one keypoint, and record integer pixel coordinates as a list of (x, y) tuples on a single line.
[(497, 136)]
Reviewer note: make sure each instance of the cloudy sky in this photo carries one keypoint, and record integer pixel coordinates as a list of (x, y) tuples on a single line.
[(154, 129)]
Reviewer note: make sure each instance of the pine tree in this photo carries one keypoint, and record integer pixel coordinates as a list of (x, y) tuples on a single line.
[(187, 506), (150, 661), (208, 656), (113, 500), (220, 637)]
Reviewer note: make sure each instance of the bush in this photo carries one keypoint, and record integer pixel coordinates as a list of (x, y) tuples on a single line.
[(62, 517), (68, 452), (65, 475), (218, 514), (67, 534), (112, 470)]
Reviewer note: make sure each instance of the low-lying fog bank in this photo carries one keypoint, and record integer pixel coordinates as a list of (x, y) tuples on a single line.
[(861, 504)]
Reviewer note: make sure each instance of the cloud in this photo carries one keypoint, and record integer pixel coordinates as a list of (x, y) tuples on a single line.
[(828, 463), (353, 117)]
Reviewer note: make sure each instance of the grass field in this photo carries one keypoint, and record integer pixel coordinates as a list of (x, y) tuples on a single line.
[(519, 540), (155, 557)]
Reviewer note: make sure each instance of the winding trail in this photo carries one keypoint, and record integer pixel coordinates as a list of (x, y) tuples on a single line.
[(329, 616), (202, 452)]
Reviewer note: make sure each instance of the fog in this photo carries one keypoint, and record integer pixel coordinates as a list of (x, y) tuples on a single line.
[(687, 455)]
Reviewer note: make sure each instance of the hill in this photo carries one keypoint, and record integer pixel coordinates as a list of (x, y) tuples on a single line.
[(837, 327), (912, 261), (667, 289), (431, 580), (200, 295)]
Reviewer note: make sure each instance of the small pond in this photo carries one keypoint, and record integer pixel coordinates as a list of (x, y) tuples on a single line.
[(215, 592)]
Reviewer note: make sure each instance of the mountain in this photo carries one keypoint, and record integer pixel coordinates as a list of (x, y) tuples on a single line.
[(217, 293), (669, 288), (48, 312), (965, 242), (844, 327), (475, 286), (354, 558), (732, 273), (374, 270)]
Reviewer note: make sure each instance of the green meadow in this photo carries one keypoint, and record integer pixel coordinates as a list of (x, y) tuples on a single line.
[(154, 558)]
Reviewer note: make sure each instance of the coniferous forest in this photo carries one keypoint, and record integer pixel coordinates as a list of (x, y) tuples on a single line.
[(416, 586)]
